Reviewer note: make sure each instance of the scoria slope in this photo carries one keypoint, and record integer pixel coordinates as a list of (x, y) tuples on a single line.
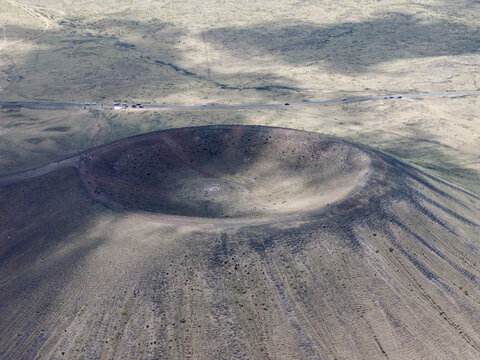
[(235, 242)]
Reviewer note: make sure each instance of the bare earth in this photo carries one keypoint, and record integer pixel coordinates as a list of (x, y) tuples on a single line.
[(356, 238), (385, 269)]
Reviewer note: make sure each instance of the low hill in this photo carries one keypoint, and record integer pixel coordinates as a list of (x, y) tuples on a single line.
[(237, 242)]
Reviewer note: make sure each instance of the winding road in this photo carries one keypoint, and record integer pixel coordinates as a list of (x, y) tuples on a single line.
[(63, 105)]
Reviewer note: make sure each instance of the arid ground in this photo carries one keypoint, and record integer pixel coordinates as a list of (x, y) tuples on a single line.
[(339, 231), (238, 242)]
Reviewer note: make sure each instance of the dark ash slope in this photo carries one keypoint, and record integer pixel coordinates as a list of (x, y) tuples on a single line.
[(305, 247)]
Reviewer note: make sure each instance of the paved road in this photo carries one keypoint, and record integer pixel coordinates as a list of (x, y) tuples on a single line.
[(215, 106), (74, 160)]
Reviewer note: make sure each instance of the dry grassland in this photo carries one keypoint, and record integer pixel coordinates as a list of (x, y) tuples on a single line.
[(243, 52)]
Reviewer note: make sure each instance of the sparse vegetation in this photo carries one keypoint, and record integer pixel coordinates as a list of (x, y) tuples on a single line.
[(234, 286)]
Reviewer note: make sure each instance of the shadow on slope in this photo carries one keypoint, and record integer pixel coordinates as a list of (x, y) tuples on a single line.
[(40, 254), (399, 254), (425, 152)]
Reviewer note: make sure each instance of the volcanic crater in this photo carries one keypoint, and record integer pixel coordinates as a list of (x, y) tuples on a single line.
[(225, 172), (355, 254)]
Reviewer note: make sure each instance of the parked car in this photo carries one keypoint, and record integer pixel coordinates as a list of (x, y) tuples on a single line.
[(286, 104), (344, 99)]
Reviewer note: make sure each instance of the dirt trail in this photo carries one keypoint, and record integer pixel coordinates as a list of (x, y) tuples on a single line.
[(31, 173), (207, 61), (32, 11), (4, 42), (99, 130)]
